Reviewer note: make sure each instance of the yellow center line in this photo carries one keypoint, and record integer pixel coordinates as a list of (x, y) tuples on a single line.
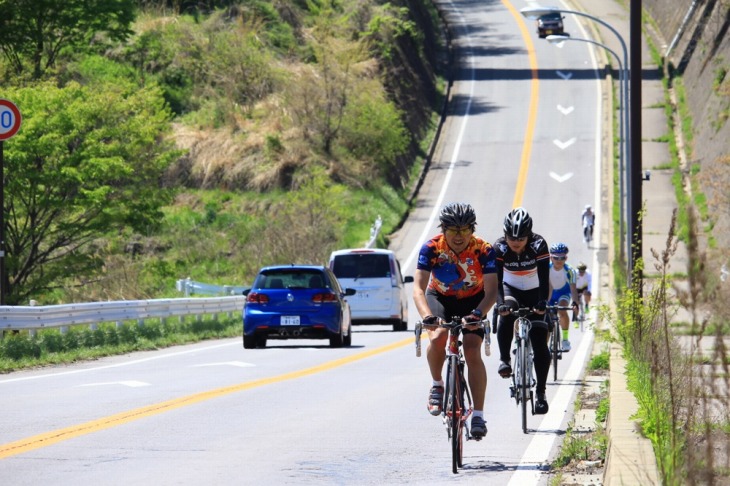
[(55, 436), (532, 112)]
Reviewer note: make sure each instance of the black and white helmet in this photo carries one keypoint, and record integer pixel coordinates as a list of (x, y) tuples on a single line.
[(518, 223), (458, 214)]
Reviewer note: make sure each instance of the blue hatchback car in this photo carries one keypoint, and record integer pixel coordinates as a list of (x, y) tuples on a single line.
[(296, 302)]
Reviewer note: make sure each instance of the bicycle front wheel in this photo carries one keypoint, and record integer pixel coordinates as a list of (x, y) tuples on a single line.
[(524, 389), (555, 349), (454, 414)]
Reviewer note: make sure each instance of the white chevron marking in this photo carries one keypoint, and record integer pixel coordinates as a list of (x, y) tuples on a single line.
[(564, 145), (561, 178), (565, 111), (565, 76)]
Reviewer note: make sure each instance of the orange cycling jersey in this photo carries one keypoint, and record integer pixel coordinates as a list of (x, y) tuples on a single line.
[(455, 275)]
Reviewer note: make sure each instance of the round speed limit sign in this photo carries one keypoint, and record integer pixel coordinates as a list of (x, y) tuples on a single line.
[(9, 119)]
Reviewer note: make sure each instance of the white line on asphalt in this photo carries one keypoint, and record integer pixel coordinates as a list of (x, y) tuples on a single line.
[(117, 365), (529, 470), (129, 383), (427, 228), (240, 364)]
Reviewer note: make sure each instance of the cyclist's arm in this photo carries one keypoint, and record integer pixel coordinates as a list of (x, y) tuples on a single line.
[(420, 284), (543, 274), (490, 293), (500, 283), (574, 293)]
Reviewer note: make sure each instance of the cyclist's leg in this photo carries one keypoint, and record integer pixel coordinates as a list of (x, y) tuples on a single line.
[(505, 335), (538, 338), (477, 373), (436, 356), (564, 300)]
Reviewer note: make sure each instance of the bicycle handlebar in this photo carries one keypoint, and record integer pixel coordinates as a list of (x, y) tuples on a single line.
[(560, 307), (454, 323)]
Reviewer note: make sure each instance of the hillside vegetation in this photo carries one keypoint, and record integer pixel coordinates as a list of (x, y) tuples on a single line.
[(165, 140)]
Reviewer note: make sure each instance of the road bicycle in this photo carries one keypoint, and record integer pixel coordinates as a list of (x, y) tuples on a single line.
[(588, 234), (523, 376), (556, 346), (457, 406), (581, 311)]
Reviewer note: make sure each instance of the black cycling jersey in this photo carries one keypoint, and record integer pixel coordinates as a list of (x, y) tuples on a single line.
[(529, 270)]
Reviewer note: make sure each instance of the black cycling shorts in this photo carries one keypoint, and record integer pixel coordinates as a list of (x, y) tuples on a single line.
[(447, 307)]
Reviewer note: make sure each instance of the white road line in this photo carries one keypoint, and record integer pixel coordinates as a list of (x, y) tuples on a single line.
[(428, 227), (118, 365), (129, 383), (529, 470), (240, 364)]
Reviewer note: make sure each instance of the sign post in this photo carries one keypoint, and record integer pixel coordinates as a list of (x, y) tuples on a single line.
[(9, 126)]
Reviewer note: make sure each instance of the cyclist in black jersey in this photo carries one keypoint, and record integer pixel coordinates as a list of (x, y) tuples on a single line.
[(523, 276)]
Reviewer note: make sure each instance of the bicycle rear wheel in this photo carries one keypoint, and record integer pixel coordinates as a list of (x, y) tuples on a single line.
[(555, 349), (524, 388), (455, 424)]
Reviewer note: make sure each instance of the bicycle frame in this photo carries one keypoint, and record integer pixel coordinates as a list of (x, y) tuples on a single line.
[(556, 347)]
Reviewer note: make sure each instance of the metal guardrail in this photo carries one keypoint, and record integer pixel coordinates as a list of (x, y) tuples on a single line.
[(191, 287), (374, 231), (32, 318)]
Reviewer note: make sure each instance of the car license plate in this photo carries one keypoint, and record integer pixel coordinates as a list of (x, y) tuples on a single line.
[(549, 31), (289, 320)]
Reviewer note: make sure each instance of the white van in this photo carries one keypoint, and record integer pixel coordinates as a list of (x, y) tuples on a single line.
[(375, 274)]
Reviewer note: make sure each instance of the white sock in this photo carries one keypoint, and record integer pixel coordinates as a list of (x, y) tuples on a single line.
[(478, 413), (438, 383)]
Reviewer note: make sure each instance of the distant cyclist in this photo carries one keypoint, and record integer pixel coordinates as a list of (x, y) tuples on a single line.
[(456, 276), (523, 273), (562, 283), (588, 219), (583, 284)]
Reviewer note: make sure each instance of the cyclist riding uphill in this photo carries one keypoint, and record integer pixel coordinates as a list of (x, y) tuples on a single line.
[(562, 284), (456, 276), (583, 284), (523, 274), (588, 219)]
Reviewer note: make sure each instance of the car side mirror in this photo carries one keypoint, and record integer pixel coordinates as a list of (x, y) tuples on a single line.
[(246, 292), (408, 279), (349, 292)]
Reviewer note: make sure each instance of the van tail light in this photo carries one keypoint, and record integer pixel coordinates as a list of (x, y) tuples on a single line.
[(324, 297), (257, 298), (393, 279)]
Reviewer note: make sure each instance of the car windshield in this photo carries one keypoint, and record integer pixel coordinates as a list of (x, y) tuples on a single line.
[(288, 279), (362, 265), (551, 16)]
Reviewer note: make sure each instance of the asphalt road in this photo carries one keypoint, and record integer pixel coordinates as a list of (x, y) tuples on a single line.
[(523, 131)]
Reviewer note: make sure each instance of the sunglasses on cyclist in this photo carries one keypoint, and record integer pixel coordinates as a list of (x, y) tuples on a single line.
[(558, 258), (458, 231), (521, 238)]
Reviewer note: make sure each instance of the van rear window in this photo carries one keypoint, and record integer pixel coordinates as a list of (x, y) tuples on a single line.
[(366, 265)]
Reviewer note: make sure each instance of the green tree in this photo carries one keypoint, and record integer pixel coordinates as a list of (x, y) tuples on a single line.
[(85, 162), (37, 31)]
